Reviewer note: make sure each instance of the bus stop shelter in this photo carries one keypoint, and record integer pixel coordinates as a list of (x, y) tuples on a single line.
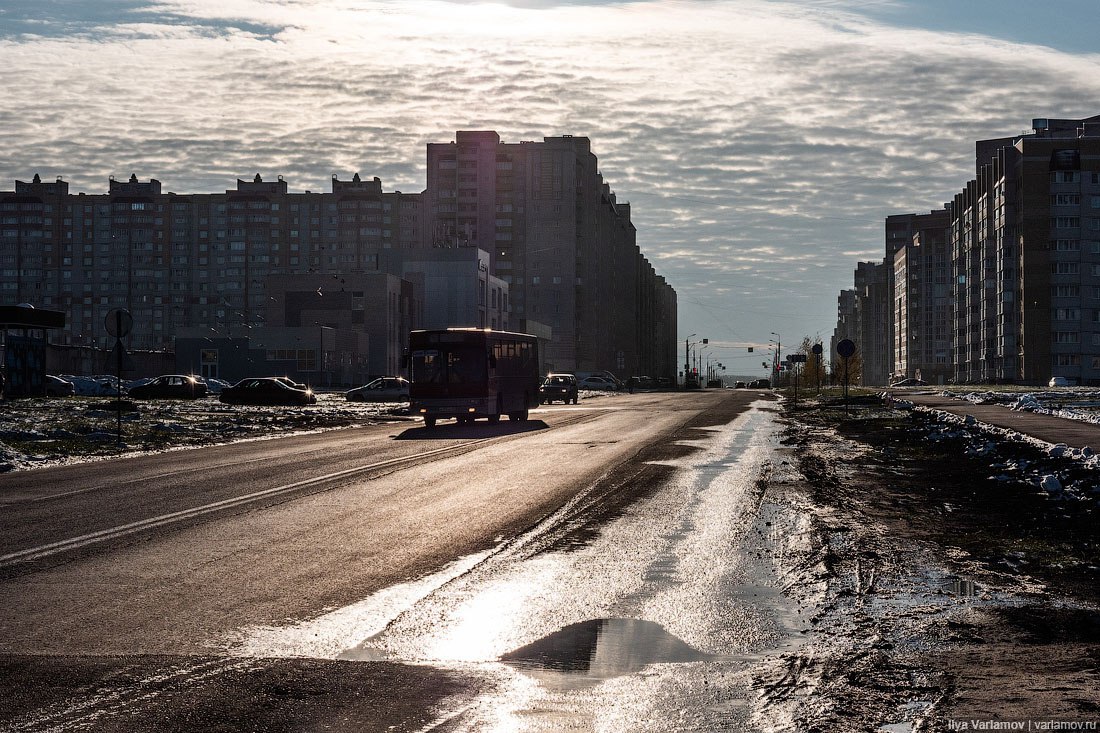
[(23, 348)]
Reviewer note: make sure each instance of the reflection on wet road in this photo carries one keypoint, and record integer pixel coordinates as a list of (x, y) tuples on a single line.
[(653, 622)]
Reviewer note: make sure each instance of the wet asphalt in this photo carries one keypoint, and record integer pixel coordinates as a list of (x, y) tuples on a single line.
[(642, 601)]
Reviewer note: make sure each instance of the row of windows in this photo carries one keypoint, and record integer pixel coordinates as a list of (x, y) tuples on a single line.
[(1073, 199), (1073, 177), (1074, 222)]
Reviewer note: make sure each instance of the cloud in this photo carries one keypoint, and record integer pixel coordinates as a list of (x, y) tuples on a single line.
[(759, 143)]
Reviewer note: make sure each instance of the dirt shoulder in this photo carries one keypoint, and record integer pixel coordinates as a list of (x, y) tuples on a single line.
[(949, 588)]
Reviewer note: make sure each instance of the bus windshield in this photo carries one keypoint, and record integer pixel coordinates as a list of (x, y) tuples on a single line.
[(451, 364)]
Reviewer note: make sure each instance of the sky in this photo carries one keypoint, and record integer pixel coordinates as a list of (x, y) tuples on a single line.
[(760, 143)]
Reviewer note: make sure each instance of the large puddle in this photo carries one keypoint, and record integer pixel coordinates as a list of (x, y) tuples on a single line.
[(604, 648)]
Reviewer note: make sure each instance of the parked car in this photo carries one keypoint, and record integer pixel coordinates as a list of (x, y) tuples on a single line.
[(170, 386), (760, 384), (58, 387), (100, 385), (739, 385), (599, 383), (291, 383), (215, 385), (383, 389), (266, 391), (558, 387), (910, 382), (1059, 382)]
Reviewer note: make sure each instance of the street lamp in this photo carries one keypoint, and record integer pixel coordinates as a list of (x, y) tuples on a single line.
[(778, 356), (687, 358), (321, 353)]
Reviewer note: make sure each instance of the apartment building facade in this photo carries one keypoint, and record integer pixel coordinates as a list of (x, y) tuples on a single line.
[(1023, 250), (872, 286), (562, 242), (922, 312), (1026, 250), (189, 261), (562, 257)]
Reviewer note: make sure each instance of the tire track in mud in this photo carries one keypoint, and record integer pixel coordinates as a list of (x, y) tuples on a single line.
[(910, 630)]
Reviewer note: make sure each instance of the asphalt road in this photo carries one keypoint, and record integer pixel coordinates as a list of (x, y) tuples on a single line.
[(120, 580)]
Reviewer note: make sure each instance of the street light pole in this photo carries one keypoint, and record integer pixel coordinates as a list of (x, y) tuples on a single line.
[(778, 352), (687, 358)]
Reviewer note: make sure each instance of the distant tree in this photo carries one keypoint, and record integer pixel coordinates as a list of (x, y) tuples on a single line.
[(813, 371), (855, 368)]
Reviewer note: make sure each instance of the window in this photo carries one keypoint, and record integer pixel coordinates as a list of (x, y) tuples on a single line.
[(1067, 314), (1065, 268), (1065, 222), (1065, 199), (1067, 337), (1067, 245)]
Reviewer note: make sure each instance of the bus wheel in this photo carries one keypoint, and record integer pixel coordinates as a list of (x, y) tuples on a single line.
[(518, 416), (429, 422)]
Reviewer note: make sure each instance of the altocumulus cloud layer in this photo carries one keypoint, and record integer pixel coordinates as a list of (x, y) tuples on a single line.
[(761, 144)]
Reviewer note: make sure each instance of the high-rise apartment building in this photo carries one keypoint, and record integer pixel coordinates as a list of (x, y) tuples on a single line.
[(846, 328), (872, 285), (1026, 249), (189, 259), (562, 259), (922, 304), (563, 243)]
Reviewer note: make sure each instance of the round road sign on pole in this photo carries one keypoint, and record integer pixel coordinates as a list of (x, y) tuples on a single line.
[(846, 348), (118, 322)]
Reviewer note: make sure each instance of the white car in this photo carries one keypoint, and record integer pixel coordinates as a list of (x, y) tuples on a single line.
[(383, 389), (599, 383), (58, 387)]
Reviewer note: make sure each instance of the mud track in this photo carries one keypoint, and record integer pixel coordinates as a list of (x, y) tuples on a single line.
[(941, 594)]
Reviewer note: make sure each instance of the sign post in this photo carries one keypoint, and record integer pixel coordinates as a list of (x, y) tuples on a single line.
[(794, 360), (817, 365), (118, 323), (846, 349)]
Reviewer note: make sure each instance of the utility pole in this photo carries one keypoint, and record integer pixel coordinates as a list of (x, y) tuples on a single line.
[(687, 359)]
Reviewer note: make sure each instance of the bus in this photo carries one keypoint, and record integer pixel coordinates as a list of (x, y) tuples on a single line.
[(468, 373)]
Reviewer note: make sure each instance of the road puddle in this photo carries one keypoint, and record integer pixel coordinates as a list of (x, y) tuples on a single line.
[(603, 648)]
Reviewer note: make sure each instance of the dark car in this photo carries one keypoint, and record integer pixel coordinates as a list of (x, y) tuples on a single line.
[(266, 391), (383, 389), (291, 383), (558, 387), (760, 384), (170, 386)]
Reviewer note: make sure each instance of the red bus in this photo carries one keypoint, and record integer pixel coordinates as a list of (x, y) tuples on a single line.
[(467, 373)]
